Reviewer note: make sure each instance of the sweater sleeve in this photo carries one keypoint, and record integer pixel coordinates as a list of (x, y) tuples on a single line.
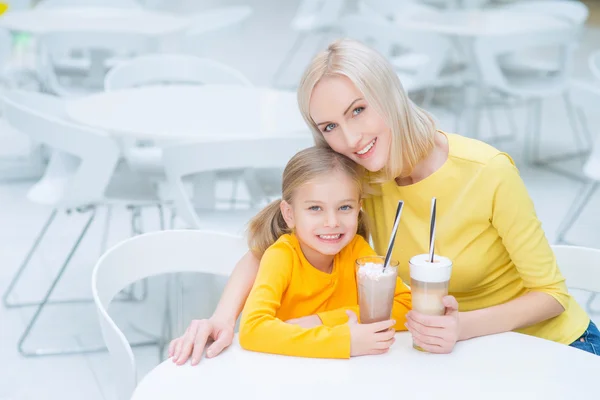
[(262, 331), (514, 217)]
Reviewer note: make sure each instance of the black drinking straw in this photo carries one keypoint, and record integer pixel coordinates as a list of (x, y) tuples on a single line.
[(393, 235), (432, 229)]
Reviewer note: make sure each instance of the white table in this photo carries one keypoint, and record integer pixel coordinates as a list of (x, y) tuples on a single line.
[(492, 367), (94, 19), (174, 112)]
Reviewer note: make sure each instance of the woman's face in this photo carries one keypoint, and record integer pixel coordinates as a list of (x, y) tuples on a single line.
[(349, 125)]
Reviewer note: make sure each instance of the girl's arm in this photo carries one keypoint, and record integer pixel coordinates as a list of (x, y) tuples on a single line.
[(262, 331)]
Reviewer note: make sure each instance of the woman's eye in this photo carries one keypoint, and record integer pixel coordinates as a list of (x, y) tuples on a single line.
[(314, 208), (358, 110), (346, 208), (329, 128)]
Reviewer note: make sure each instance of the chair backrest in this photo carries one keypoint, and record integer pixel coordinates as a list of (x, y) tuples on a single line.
[(49, 4), (397, 10), (185, 159), (150, 255), (313, 15), (574, 11), (218, 18), (580, 266), (488, 49), (594, 63), (172, 68), (384, 35), (83, 160)]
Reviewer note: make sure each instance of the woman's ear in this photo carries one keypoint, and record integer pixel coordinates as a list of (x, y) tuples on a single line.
[(288, 213)]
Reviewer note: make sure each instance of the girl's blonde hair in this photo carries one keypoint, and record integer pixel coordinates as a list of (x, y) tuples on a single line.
[(266, 227), (413, 129)]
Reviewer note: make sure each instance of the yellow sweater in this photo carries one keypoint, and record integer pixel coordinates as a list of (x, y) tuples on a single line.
[(486, 224), (287, 287)]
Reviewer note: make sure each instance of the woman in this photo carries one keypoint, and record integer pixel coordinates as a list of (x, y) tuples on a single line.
[(505, 275)]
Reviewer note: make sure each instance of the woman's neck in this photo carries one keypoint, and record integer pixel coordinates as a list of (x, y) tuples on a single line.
[(427, 166), (322, 262)]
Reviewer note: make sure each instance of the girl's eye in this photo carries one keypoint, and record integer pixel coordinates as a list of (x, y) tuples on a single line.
[(314, 208), (346, 208), (358, 110), (329, 127)]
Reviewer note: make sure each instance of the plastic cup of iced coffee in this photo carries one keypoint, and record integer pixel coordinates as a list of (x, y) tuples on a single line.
[(376, 288), (429, 284)]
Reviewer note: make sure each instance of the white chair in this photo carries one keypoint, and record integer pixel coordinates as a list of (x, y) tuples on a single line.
[(591, 171), (422, 55), (213, 26), (150, 255), (312, 17), (581, 268), (76, 63), (573, 11), (395, 10), (533, 88), (80, 177), (172, 69), (187, 160), (594, 63), (49, 4)]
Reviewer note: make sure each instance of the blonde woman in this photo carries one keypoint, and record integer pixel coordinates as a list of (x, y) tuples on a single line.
[(505, 276)]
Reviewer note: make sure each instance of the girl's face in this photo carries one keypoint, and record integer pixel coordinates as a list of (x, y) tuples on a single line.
[(324, 214), (348, 124)]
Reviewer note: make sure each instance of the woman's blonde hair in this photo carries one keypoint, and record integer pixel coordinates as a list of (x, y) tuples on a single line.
[(268, 225), (413, 129)]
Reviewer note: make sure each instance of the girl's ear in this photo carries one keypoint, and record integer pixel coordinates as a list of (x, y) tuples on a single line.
[(288, 213)]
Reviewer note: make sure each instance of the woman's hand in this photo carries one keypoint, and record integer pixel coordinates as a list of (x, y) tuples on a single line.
[(435, 334), (306, 322), (193, 341)]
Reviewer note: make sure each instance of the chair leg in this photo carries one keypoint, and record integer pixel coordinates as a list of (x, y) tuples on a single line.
[(17, 276), (579, 204), (44, 302), (288, 57), (588, 305)]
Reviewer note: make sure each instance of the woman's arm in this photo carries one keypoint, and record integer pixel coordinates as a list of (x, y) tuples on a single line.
[(514, 217)]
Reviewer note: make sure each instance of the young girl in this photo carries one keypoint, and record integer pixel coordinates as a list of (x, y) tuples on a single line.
[(304, 299)]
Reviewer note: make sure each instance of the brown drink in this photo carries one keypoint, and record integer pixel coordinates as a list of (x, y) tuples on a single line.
[(376, 288)]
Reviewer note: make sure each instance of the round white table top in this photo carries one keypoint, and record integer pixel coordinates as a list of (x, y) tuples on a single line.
[(489, 22), (93, 19), (492, 367), (191, 112)]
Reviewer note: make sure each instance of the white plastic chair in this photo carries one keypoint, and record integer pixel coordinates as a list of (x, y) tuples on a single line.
[(79, 177), (532, 87), (172, 69), (581, 268), (424, 54), (396, 10), (49, 4), (213, 26), (573, 11), (150, 255), (594, 63), (84, 58), (188, 159), (312, 17)]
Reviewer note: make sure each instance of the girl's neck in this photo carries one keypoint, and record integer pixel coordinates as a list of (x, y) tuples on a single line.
[(430, 164), (322, 262)]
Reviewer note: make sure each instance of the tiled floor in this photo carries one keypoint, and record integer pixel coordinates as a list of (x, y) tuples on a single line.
[(265, 39)]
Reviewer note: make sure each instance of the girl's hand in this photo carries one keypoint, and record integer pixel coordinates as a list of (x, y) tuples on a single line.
[(370, 339), (435, 334), (306, 322), (193, 341)]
